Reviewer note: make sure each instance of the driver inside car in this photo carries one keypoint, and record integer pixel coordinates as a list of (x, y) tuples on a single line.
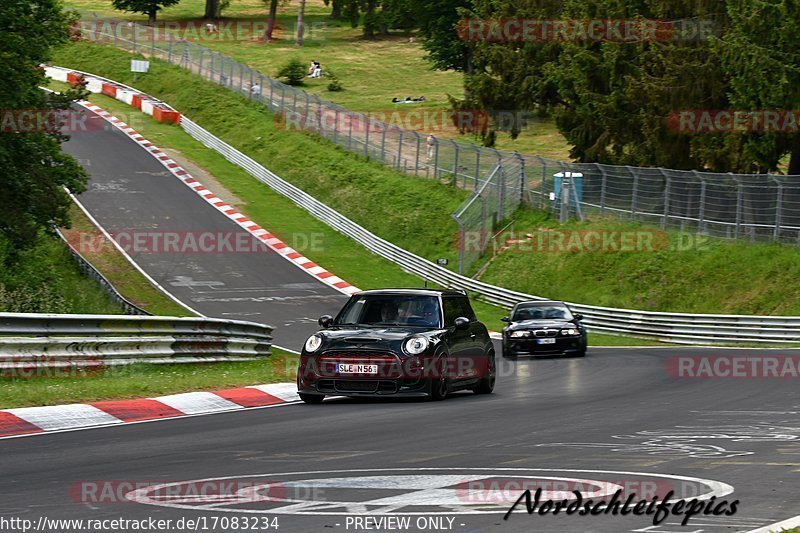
[(389, 314)]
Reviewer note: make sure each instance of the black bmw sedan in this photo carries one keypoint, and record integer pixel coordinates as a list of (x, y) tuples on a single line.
[(543, 327), (398, 342)]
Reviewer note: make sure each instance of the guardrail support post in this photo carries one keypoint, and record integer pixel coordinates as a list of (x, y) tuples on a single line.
[(566, 186), (416, 161), (544, 177), (399, 148), (666, 198), (366, 140), (523, 182), (335, 125), (702, 207), (603, 185), (776, 233), (436, 159), (634, 191), (460, 242), (477, 168), (739, 205)]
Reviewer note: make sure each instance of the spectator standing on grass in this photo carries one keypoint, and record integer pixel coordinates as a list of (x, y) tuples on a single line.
[(431, 144)]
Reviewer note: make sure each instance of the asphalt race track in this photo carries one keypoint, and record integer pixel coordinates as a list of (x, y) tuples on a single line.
[(617, 410), (131, 193), (616, 418)]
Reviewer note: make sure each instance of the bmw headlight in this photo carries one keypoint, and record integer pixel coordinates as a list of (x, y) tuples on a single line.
[(313, 343), (415, 345), (520, 334), (570, 331)]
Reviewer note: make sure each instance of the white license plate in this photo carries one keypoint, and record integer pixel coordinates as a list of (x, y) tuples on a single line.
[(545, 341), (356, 369)]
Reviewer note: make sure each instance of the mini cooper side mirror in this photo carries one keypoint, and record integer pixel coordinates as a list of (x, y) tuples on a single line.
[(325, 321), (506, 319), (461, 323), (577, 317)]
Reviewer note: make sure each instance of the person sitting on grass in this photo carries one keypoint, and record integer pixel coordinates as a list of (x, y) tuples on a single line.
[(407, 100)]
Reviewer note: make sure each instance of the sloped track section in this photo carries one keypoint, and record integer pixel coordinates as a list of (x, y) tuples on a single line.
[(263, 280)]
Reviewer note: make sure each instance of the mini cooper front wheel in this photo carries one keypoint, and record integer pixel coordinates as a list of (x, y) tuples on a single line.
[(438, 384), (486, 384)]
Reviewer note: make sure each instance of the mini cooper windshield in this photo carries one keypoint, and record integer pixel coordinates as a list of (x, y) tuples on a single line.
[(390, 310)]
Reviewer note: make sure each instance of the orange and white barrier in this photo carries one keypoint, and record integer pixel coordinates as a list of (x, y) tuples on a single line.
[(95, 84)]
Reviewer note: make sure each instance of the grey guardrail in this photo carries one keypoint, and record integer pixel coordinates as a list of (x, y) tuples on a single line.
[(670, 327), (45, 340)]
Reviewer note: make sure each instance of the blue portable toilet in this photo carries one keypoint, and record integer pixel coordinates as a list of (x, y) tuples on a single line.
[(577, 183)]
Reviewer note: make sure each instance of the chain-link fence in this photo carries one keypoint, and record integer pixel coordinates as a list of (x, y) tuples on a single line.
[(753, 206), (733, 206)]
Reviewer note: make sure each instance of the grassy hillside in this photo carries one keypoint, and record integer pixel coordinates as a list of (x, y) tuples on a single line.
[(45, 279)]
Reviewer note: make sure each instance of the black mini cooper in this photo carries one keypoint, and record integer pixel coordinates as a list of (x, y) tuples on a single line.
[(398, 342), (543, 327)]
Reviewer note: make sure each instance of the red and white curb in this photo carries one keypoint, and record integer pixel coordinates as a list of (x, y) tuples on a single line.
[(248, 225), (38, 420)]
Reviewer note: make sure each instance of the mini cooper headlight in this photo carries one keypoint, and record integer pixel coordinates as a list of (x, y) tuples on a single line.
[(313, 343), (520, 334), (415, 345), (570, 331)]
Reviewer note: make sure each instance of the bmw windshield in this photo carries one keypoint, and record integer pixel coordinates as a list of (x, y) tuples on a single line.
[(390, 310), (542, 312)]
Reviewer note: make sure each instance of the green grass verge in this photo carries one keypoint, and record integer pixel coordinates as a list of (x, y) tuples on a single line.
[(678, 273), (44, 278), (141, 380)]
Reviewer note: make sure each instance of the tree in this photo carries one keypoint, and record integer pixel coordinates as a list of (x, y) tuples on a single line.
[(272, 18), (503, 75), (438, 25), (145, 7), (300, 13), (363, 12), (759, 52), (212, 9), (336, 8), (34, 167)]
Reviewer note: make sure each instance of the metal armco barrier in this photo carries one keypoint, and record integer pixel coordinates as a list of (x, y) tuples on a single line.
[(41, 340), (682, 328)]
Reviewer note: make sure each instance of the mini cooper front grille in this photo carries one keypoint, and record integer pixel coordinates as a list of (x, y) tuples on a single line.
[(352, 385), (388, 365)]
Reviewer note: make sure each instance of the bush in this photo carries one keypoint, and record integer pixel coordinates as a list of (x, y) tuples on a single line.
[(334, 85), (294, 71)]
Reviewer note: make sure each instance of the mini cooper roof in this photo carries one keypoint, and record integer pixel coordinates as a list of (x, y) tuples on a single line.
[(417, 292)]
